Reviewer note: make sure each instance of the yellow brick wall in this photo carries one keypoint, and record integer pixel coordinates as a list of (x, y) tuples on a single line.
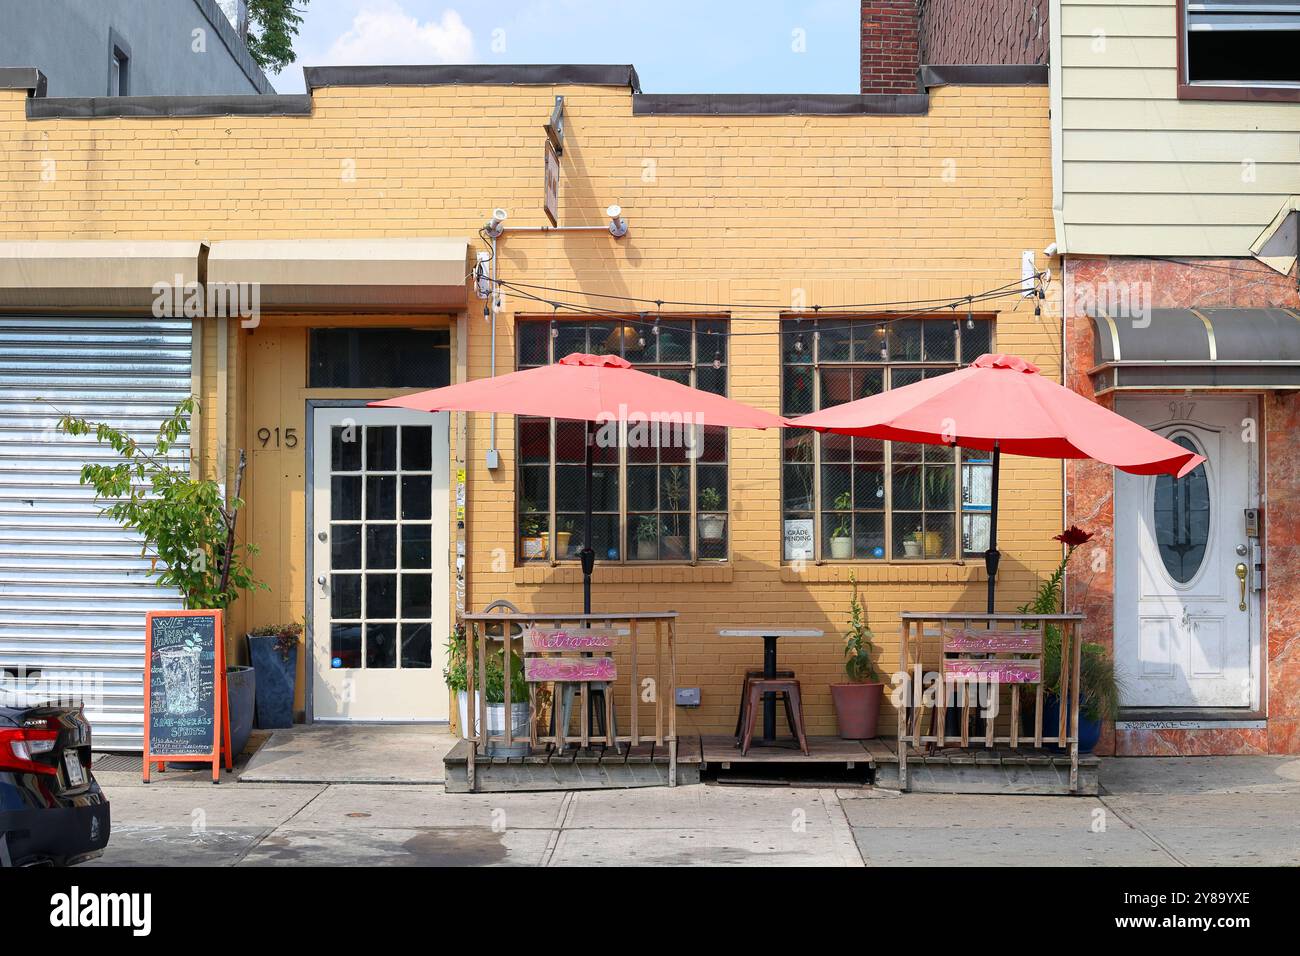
[(721, 209)]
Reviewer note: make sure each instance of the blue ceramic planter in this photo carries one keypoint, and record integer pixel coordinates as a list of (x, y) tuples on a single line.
[(1089, 730), (241, 693), (276, 676)]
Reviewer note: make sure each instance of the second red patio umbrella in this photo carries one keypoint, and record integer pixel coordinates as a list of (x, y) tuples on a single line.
[(1001, 403), (590, 388)]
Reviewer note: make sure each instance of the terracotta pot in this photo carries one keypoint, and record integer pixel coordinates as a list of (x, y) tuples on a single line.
[(858, 708)]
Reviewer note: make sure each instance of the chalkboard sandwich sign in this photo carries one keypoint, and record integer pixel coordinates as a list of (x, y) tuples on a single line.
[(185, 712)]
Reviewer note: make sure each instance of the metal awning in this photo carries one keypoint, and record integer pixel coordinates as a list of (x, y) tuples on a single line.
[(415, 275), (1197, 348), (92, 273)]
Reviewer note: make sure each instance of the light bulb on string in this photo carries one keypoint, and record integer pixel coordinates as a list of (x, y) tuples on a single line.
[(970, 316)]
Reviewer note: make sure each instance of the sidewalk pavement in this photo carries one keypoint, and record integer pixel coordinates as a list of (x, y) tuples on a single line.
[(1153, 812)]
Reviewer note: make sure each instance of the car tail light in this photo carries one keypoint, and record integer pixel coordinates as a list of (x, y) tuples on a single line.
[(21, 745)]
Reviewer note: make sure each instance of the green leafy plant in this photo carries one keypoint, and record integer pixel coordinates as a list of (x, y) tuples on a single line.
[(532, 523), (859, 650), (1100, 686), (647, 528), (456, 672), (286, 636), (188, 528), (675, 487), (277, 23), (843, 502), (710, 499)]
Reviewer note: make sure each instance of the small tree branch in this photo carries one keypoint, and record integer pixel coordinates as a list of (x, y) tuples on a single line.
[(231, 515)]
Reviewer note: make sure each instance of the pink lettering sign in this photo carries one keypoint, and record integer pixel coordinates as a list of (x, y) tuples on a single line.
[(1003, 672), (538, 669), (990, 642), (568, 639)]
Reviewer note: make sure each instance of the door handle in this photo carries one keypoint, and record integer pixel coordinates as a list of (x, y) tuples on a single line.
[(322, 580), (1241, 579)]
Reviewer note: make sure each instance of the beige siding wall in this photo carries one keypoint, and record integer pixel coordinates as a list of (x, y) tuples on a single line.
[(1142, 172)]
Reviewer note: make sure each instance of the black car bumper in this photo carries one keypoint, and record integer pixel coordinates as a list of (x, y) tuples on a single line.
[(57, 835)]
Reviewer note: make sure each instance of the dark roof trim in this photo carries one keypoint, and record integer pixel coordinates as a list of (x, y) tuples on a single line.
[(747, 104), (22, 78), (235, 44), (980, 74), (95, 107), (558, 74)]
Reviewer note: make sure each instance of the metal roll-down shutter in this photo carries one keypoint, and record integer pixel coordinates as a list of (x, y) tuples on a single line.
[(74, 587)]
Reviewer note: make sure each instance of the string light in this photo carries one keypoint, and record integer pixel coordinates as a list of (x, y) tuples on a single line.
[(970, 315)]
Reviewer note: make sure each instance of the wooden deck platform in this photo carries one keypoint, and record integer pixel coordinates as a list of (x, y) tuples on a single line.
[(594, 768), (976, 770), (1019, 770)]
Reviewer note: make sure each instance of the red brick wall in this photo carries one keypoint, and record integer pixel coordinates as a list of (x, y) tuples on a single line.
[(891, 59), (983, 31), (1207, 283)]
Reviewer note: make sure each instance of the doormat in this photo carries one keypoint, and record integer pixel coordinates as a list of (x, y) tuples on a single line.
[(132, 763)]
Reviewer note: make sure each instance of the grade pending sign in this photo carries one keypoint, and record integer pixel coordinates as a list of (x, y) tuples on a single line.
[(185, 714)]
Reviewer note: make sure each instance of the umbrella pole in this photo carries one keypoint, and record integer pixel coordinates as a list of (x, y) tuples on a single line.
[(992, 556), (587, 554)]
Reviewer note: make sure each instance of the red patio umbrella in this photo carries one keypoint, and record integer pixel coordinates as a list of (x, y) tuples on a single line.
[(590, 388), (1000, 403)]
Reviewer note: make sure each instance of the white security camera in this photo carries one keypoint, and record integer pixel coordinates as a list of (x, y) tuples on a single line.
[(1051, 250), (496, 225), (617, 225)]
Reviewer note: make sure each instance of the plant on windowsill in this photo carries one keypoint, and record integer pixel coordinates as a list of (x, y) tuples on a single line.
[(713, 521), (273, 649), (1100, 685), (676, 544), (186, 526), (857, 703), (564, 536), (456, 676), (842, 535), (532, 532), (647, 538)]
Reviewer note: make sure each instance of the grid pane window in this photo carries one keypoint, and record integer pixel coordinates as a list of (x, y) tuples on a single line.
[(850, 498), (660, 492), (381, 523)]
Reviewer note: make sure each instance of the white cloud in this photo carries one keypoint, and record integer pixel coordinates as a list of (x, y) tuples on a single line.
[(383, 32)]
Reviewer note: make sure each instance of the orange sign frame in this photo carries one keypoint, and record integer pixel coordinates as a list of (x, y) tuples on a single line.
[(221, 715)]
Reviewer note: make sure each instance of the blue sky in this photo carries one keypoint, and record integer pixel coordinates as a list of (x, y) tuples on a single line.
[(705, 46)]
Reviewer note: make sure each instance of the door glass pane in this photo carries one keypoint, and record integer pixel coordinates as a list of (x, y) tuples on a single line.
[(417, 646), (345, 546), (415, 546), (381, 546), (345, 450), (381, 448), (381, 645), (417, 448), (1182, 518)]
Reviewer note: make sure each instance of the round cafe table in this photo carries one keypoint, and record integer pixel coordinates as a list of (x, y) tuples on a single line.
[(769, 636)]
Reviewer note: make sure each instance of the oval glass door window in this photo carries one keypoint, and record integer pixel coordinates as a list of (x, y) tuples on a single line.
[(1182, 518)]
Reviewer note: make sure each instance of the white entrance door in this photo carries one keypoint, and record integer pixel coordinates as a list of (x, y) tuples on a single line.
[(380, 615), (1186, 624)]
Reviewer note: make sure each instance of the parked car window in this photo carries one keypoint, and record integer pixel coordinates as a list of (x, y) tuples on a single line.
[(848, 498), (657, 497)]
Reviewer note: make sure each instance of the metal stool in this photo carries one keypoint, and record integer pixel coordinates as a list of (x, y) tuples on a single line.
[(789, 690)]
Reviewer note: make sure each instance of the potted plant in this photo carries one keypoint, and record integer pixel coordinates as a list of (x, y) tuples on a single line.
[(857, 703), (842, 535), (532, 532), (187, 526), (647, 538), (1100, 686), (563, 536), (273, 649), (713, 521), (456, 677), (676, 544)]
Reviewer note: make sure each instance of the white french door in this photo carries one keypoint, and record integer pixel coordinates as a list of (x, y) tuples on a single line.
[(380, 609), (1186, 610)]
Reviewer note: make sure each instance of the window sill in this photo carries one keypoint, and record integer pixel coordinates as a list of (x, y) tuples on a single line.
[(837, 572), (1239, 94), (714, 573)]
